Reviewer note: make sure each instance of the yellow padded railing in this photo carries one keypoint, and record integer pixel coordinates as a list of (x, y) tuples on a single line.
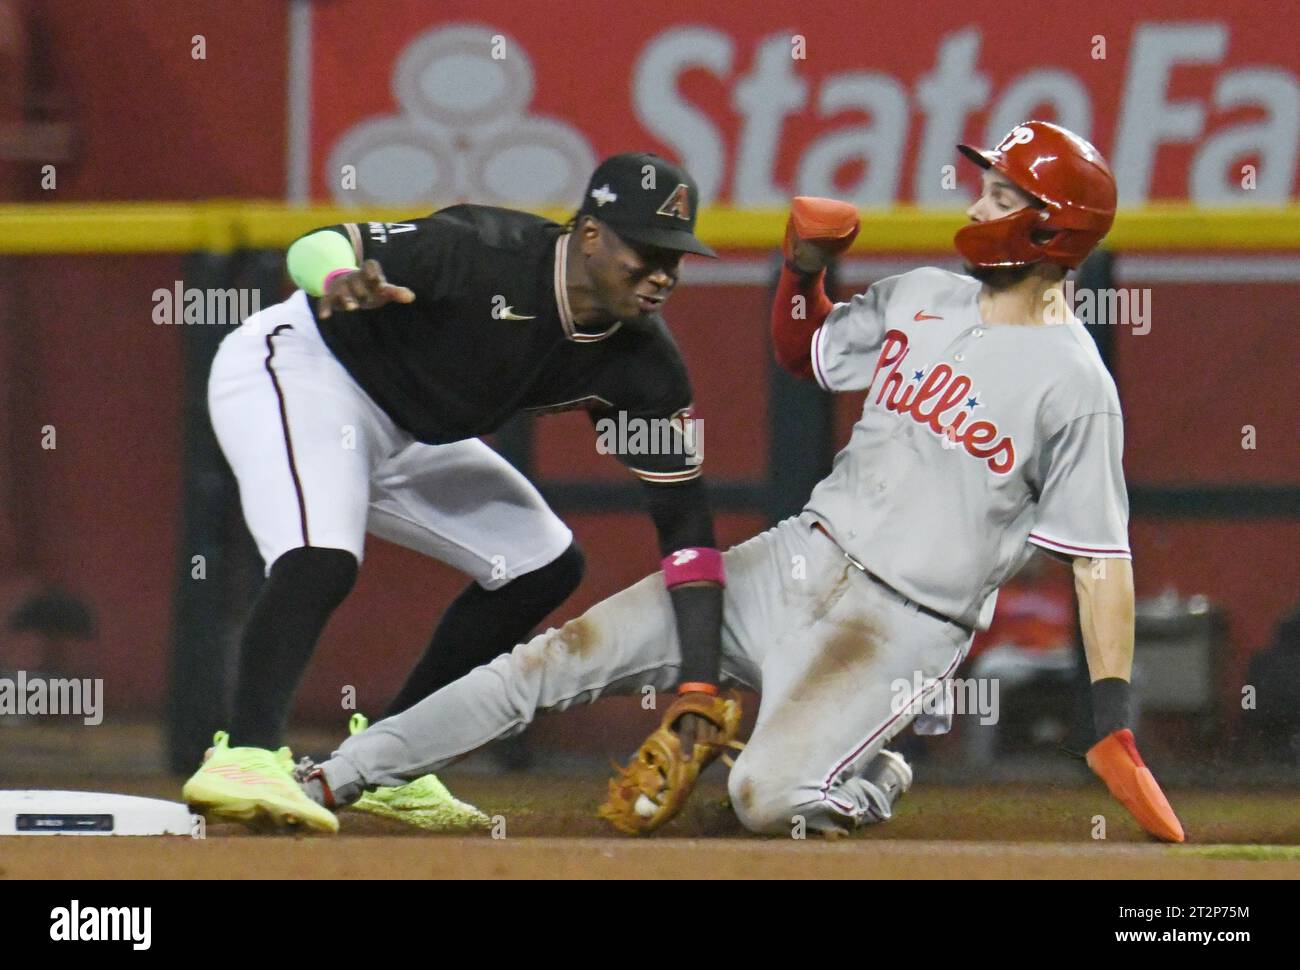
[(223, 226)]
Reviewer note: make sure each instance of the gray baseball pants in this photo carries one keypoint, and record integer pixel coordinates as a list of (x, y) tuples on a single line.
[(826, 645)]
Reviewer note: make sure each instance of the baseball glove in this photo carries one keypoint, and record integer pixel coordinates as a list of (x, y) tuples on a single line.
[(654, 786)]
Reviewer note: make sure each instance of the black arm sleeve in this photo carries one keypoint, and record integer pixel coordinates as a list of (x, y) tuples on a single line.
[(681, 514), (699, 629), (684, 520), (650, 394)]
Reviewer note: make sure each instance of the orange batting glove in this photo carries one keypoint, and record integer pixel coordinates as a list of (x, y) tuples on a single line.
[(817, 230), (1116, 761)]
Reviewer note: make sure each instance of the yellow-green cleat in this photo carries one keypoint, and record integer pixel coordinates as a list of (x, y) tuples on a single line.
[(425, 803), (254, 786)]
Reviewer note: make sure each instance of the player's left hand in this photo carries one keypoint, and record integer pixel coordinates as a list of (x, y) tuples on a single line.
[(817, 231), (362, 289), (694, 729), (655, 784)]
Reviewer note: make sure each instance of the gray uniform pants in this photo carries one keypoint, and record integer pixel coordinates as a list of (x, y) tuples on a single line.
[(828, 647)]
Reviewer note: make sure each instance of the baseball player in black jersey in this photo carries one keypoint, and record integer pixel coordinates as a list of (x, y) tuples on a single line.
[(355, 406)]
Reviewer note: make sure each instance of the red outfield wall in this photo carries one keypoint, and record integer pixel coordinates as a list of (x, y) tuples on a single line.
[(100, 512)]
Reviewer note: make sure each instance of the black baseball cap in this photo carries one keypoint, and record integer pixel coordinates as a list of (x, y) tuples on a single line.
[(646, 199)]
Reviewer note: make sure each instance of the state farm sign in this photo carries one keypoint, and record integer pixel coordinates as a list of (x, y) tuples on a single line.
[(1207, 110)]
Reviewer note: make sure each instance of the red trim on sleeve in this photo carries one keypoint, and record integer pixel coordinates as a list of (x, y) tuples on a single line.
[(1097, 552), (791, 337)]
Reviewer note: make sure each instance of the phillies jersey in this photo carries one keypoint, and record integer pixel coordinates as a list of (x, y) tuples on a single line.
[(975, 440)]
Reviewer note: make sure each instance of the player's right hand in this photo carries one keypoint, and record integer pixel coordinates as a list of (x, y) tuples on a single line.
[(817, 230), (362, 289), (1116, 761)]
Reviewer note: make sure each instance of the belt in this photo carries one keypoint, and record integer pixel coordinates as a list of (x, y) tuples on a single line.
[(919, 607)]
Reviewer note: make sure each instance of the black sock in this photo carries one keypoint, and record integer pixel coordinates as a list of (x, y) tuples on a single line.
[(482, 624), (305, 586)]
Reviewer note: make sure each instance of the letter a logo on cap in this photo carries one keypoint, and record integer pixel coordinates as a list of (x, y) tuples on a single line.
[(678, 204)]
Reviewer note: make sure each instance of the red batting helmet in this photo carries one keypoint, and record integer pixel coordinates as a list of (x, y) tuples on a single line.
[(1072, 185)]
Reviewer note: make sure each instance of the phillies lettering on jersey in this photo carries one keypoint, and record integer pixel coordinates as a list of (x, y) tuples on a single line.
[(927, 397), (1047, 442)]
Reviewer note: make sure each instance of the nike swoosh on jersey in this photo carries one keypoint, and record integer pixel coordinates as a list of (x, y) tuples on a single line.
[(922, 315), (509, 314)]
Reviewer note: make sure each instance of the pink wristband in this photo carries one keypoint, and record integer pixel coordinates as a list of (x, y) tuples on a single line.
[(693, 565), (329, 277)]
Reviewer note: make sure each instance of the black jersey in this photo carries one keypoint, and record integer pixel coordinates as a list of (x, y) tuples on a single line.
[(490, 334)]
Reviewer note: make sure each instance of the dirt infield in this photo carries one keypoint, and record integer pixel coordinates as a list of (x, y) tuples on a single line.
[(395, 857), (550, 832)]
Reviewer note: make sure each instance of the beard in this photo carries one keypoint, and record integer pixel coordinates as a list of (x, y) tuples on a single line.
[(1000, 277)]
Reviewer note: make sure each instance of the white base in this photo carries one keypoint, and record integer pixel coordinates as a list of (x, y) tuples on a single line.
[(90, 813)]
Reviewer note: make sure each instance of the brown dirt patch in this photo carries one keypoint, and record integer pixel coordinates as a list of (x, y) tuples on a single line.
[(396, 857), (1003, 832)]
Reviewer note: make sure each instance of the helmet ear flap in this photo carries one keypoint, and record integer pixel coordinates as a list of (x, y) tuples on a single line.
[(1000, 242), (1071, 247), (1042, 237)]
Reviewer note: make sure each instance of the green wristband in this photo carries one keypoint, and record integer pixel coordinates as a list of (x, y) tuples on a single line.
[(312, 258)]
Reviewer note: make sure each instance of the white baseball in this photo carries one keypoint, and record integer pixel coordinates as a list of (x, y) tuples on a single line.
[(644, 806)]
